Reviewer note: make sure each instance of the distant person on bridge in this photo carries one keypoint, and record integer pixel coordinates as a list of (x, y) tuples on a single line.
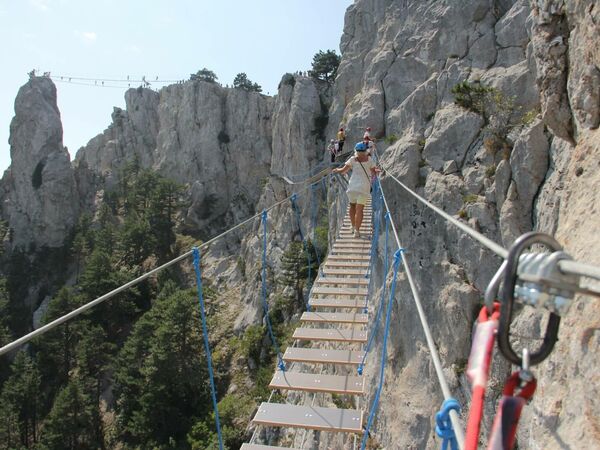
[(341, 138), (359, 186), (331, 147)]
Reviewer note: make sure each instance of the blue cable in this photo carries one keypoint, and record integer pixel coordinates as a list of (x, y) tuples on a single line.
[(388, 315), (314, 205), (377, 217), (213, 391), (443, 424), (280, 363), (293, 199), (381, 301)]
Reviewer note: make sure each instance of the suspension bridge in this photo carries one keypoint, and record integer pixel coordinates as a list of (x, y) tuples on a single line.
[(336, 333)]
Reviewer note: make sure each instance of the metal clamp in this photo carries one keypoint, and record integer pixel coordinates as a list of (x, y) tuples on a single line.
[(508, 296)]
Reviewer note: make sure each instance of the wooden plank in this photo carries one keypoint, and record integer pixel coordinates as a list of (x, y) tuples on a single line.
[(323, 356), (308, 382), (359, 244), (309, 417), (347, 281), (346, 264), (264, 447), (323, 317), (351, 251), (352, 291), (330, 334), (337, 303), (349, 257), (354, 272), (352, 241), (348, 228)]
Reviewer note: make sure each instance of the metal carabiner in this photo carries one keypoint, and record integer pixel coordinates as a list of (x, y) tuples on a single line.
[(508, 298), (491, 292)]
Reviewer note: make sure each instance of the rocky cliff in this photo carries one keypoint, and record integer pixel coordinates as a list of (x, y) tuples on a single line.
[(526, 163), (39, 186), (524, 157)]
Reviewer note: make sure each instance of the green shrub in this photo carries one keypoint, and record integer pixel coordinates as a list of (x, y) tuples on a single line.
[(390, 139), (470, 198), (287, 79), (471, 96), (490, 171), (251, 344), (463, 214), (529, 116)]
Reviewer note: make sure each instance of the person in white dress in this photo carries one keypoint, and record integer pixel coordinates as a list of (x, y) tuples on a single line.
[(359, 187)]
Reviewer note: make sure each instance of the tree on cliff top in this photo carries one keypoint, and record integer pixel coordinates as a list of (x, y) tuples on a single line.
[(241, 81), (204, 75), (325, 65)]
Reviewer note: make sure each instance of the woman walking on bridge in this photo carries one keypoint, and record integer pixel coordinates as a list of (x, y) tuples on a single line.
[(359, 186)]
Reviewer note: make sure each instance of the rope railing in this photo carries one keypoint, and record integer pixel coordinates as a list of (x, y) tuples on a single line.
[(428, 336), (49, 326), (388, 315), (305, 246), (565, 266), (265, 304), (213, 390)]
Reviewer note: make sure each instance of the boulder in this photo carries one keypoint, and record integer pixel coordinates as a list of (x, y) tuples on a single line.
[(453, 132)]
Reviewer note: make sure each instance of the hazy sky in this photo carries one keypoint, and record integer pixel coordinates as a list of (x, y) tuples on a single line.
[(110, 39)]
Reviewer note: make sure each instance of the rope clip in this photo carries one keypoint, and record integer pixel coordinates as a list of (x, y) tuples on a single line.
[(512, 277), (525, 374)]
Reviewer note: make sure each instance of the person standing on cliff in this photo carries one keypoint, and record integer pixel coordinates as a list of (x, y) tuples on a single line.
[(359, 187), (341, 138), (368, 141), (331, 148)]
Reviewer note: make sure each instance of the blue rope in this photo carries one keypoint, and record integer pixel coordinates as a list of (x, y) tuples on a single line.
[(377, 217), (280, 363), (376, 202), (213, 391), (381, 301), (388, 315), (314, 211), (293, 199), (443, 425)]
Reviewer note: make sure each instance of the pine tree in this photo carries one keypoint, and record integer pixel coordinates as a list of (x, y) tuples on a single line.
[(20, 404), (56, 349), (93, 359), (325, 65), (161, 377), (69, 426)]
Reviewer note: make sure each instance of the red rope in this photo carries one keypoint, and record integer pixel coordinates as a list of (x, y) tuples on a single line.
[(478, 370), (504, 430)]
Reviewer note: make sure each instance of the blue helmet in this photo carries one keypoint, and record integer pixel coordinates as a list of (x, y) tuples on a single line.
[(360, 147)]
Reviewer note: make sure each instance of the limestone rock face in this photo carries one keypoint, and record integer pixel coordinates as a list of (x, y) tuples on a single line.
[(40, 201), (216, 141), (453, 133), (400, 61), (295, 133)]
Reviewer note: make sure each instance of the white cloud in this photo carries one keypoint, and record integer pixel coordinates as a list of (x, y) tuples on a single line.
[(40, 5), (133, 48), (89, 36)]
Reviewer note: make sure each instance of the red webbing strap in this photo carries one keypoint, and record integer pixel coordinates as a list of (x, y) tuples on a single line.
[(478, 370), (504, 430)]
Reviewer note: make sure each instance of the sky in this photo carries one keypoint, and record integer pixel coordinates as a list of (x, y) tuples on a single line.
[(110, 39)]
